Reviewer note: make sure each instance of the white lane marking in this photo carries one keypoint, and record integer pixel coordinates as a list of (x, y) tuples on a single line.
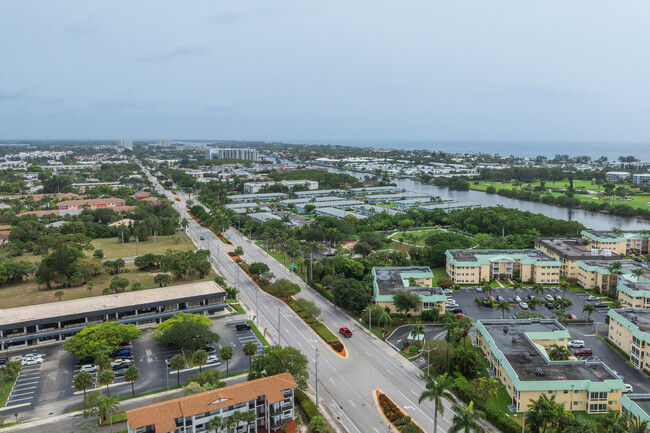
[(332, 380)]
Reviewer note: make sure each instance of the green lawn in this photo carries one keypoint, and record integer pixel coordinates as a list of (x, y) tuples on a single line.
[(4, 394), (439, 272), (257, 332), (416, 237), (114, 249), (238, 309)]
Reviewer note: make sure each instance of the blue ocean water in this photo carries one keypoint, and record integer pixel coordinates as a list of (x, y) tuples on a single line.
[(503, 148)]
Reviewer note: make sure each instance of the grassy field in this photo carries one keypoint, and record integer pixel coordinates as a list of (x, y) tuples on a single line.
[(416, 237), (636, 198), (4, 395), (114, 249), (439, 272), (28, 293)]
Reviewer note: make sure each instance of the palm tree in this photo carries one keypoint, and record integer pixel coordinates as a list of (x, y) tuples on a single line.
[(177, 363), (435, 390), (589, 308), (83, 381), (617, 231), (516, 286), (533, 303), (614, 270), (465, 325), (466, 419), (106, 377), (214, 424), (617, 304), (249, 417), (250, 349), (504, 306), (131, 375), (449, 322), (613, 422), (487, 288), (227, 353), (559, 353), (107, 406), (565, 285), (200, 358), (538, 289), (638, 273), (544, 412), (638, 426), (417, 330)]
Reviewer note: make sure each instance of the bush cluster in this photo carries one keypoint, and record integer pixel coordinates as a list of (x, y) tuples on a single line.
[(497, 418), (307, 405), (317, 326), (396, 416)]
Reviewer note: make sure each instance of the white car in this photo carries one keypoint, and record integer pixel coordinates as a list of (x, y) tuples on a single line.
[(576, 344), (448, 292), (31, 361), (213, 359), (523, 305), (90, 368), (31, 355), (517, 298), (550, 298), (628, 389)]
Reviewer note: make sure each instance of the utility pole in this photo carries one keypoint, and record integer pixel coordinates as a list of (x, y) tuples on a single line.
[(279, 331), (257, 313), (317, 377), (311, 265)]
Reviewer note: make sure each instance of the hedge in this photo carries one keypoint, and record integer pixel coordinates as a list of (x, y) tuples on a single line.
[(325, 333), (499, 419), (322, 290), (307, 405), (317, 326)]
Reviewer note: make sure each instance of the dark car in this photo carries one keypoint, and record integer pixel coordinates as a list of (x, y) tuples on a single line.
[(202, 238), (600, 305), (455, 310), (243, 326), (549, 305), (122, 353), (208, 348), (3, 361), (119, 372), (583, 352), (345, 332), (531, 297)]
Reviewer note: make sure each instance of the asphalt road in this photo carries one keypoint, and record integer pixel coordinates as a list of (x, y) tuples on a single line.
[(346, 385)]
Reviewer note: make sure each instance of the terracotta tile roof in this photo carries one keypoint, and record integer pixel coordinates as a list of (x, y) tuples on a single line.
[(163, 415), (5, 227), (142, 194), (90, 201), (40, 213)]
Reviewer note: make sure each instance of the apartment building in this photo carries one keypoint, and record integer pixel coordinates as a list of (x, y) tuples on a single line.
[(616, 176), (641, 179), (634, 294), (372, 190), (450, 205), (475, 266), (254, 187), (92, 203), (518, 353), (570, 251), (416, 279), (629, 329), (271, 399), (337, 213), (246, 154), (319, 193), (392, 198), (370, 210), (56, 321), (602, 274), (636, 405), (302, 207), (296, 201), (263, 198), (621, 243), (412, 203)]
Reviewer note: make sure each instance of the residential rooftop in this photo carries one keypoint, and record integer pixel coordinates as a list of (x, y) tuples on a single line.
[(637, 404), (529, 360), (627, 266), (528, 256), (608, 235), (574, 249), (390, 280), (639, 318)]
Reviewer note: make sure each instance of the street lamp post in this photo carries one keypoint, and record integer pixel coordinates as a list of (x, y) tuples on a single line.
[(257, 313), (523, 424), (279, 331), (317, 377)]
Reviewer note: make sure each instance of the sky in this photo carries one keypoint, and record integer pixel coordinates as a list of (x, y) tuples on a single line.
[(551, 70)]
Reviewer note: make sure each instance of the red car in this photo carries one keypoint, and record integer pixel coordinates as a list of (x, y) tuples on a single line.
[(583, 352), (460, 316), (572, 316), (491, 298), (346, 332)]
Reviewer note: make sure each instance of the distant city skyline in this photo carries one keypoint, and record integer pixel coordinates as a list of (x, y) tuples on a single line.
[(503, 71)]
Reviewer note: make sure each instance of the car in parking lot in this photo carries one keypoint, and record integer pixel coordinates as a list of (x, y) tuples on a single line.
[(345, 332), (478, 289), (3, 361), (121, 362), (122, 353), (572, 316), (448, 292), (32, 355), (628, 389), (576, 344), (583, 352), (500, 298), (517, 298), (550, 298), (31, 361), (213, 359), (243, 326), (455, 309), (209, 348), (549, 305), (523, 305), (531, 297), (592, 298), (118, 372), (90, 368), (460, 316), (601, 305)]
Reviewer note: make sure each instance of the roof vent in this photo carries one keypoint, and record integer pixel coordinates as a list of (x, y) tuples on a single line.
[(505, 329), (539, 371), (634, 318), (526, 355), (515, 339)]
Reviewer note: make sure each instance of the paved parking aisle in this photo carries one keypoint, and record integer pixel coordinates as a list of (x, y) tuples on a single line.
[(26, 386)]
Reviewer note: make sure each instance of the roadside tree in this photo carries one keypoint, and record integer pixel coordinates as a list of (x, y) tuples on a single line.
[(131, 375), (83, 380), (227, 353)]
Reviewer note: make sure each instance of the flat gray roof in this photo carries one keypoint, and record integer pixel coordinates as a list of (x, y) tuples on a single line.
[(96, 304), (573, 248), (472, 255), (640, 318), (389, 279), (525, 358)]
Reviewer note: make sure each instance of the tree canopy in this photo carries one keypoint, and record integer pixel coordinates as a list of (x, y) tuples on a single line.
[(102, 338), (190, 331)]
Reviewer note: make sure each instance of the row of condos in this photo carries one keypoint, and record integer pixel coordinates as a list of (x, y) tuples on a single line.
[(270, 401), (518, 354), (476, 266), (605, 275), (387, 281), (621, 242), (56, 321), (629, 329)]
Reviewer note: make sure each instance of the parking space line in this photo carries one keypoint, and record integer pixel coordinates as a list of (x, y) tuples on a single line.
[(18, 399)]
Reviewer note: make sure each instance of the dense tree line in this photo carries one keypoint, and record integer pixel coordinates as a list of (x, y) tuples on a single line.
[(325, 179)]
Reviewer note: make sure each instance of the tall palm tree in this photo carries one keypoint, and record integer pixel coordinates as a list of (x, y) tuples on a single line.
[(538, 289), (559, 353), (565, 285), (613, 422), (435, 390), (487, 288), (516, 286), (544, 413), (449, 322), (635, 425), (504, 306), (107, 406), (466, 419), (533, 303), (465, 325), (589, 308), (638, 273), (617, 304), (614, 270), (417, 330), (214, 424)]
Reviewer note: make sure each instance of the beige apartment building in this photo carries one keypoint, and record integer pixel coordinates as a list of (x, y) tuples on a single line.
[(621, 243), (415, 279), (475, 266), (571, 251), (629, 329), (601, 274), (634, 294), (517, 351)]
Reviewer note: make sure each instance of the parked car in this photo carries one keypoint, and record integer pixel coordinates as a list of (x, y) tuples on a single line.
[(517, 298), (572, 316), (122, 353), (448, 292), (90, 368), (592, 298), (345, 332), (628, 389), (531, 297), (208, 348), (550, 298), (119, 371), (213, 359), (455, 309), (523, 305), (3, 361), (31, 361), (121, 362), (202, 238), (583, 352), (601, 305), (500, 298), (32, 355), (576, 344), (491, 298), (243, 326), (460, 316), (549, 305), (478, 289)]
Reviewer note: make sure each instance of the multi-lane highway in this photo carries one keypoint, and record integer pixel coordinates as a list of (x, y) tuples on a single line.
[(346, 385)]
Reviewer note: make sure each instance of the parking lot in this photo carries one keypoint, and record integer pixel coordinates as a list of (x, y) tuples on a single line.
[(466, 301), (48, 388)]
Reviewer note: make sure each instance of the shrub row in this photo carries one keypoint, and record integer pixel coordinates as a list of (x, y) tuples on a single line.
[(324, 333), (396, 416), (322, 290), (499, 419), (317, 326), (307, 405)]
